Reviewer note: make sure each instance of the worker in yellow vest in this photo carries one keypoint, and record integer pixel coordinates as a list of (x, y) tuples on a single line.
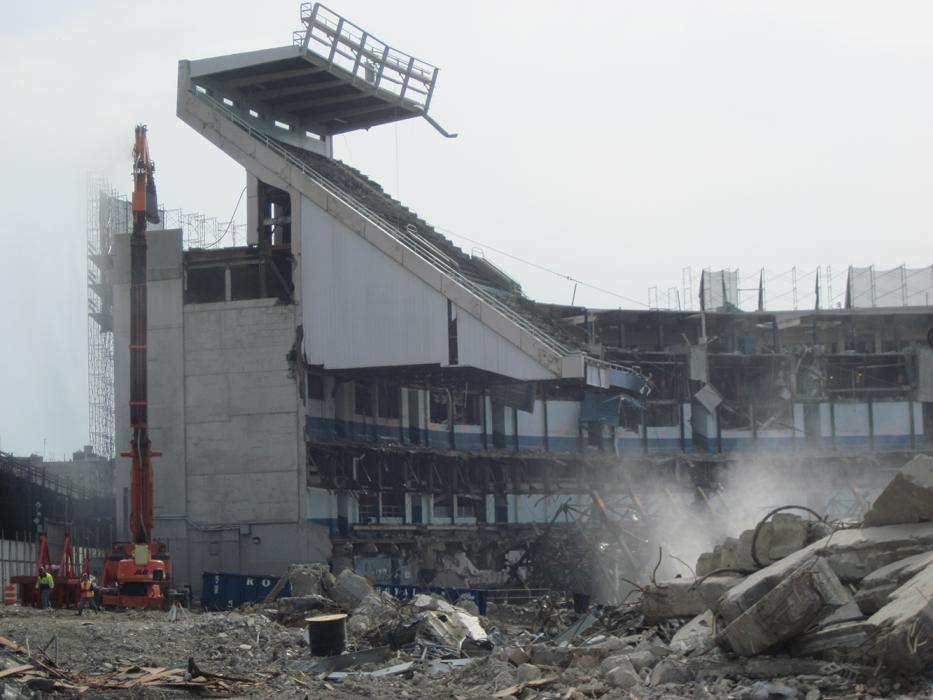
[(44, 584), (87, 595)]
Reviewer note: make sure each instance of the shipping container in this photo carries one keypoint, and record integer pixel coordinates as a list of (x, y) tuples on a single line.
[(221, 591)]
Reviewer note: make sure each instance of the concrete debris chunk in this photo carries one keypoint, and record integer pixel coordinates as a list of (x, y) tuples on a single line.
[(841, 641), (309, 579), (623, 677), (671, 670), (875, 589), (904, 640), (908, 497), (685, 597), (350, 589), (808, 594), (377, 611), (788, 533), (851, 554), (696, 636)]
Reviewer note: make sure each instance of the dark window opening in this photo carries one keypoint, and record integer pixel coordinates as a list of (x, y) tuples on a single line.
[(467, 506), (416, 514), (452, 350), (662, 414), (244, 282), (442, 506), (439, 407), (468, 409), (369, 507), (928, 422), (389, 400), (315, 386), (393, 505), (501, 508), (362, 399), (275, 217), (631, 417), (206, 285), (594, 434), (414, 418)]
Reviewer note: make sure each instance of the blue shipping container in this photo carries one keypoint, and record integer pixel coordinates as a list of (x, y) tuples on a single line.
[(227, 591)]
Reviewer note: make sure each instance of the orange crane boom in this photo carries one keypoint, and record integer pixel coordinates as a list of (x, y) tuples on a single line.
[(136, 573)]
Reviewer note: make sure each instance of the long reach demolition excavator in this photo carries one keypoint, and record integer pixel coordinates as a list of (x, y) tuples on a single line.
[(138, 574)]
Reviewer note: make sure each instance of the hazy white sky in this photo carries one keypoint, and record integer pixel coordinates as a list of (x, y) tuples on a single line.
[(618, 142)]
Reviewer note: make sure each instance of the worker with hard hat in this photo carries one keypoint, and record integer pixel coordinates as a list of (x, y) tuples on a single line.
[(44, 584), (87, 595)]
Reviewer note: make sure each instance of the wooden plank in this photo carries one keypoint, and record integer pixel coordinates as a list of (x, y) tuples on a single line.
[(16, 670), (9, 644)]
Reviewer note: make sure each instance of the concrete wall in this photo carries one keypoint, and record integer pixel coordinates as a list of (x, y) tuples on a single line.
[(230, 490)]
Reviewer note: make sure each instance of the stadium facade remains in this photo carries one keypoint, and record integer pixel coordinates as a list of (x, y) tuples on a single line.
[(352, 386)]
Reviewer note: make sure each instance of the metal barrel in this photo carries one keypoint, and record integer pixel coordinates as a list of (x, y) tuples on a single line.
[(327, 634)]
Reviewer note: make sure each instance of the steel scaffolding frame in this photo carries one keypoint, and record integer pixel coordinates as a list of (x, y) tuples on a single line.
[(102, 223)]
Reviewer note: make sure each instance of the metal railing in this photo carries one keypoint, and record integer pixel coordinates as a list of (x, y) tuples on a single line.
[(365, 57), (415, 244), (38, 475)]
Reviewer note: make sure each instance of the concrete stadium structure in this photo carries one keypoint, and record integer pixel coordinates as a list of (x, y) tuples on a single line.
[(350, 384)]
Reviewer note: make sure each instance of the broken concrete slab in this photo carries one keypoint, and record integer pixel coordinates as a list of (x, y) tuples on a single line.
[(350, 589), (671, 670), (810, 592), (788, 534), (375, 612), (696, 636), (875, 589), (685, 597), (309, 579), (905, 626), (852, 554), (623, 676), (841, 641), (908, 497)]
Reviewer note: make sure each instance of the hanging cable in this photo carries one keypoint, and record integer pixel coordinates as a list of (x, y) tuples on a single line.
[(229, 223), (567, 277)]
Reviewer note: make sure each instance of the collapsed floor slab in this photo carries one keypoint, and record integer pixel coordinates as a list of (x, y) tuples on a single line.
[(685, 597), (809, 593), (851, 554), (908, 497)]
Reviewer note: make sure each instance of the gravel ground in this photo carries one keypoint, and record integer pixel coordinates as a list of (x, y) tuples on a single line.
[(248, 644)]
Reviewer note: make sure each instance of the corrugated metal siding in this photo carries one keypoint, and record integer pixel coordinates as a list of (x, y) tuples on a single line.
[(361, 308), (480, 346)]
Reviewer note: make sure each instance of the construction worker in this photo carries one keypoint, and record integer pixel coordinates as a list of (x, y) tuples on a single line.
[(87, 595), (44, 584)]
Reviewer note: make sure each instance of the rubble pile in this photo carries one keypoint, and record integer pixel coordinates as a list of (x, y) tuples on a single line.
[(795, 608)]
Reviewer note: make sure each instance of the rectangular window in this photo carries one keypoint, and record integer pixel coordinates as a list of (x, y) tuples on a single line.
[(244, 282), (468, 409), (467, 506), (442, 506), (393, 505), (369, 507), (453, 357), (389, 401), (362, 399), (439, 407), (501, 507), (205, 285), (315, 386)]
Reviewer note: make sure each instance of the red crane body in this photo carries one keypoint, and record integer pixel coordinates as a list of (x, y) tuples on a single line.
[(137, 573)]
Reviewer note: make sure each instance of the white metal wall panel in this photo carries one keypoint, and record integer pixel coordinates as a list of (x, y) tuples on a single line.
[(361, 308), (480, 346)]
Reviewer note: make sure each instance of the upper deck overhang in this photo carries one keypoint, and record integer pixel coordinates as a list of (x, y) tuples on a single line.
[(296, 87)]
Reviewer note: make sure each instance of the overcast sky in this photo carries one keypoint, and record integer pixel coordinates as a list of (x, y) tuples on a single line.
[(614, 142)]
